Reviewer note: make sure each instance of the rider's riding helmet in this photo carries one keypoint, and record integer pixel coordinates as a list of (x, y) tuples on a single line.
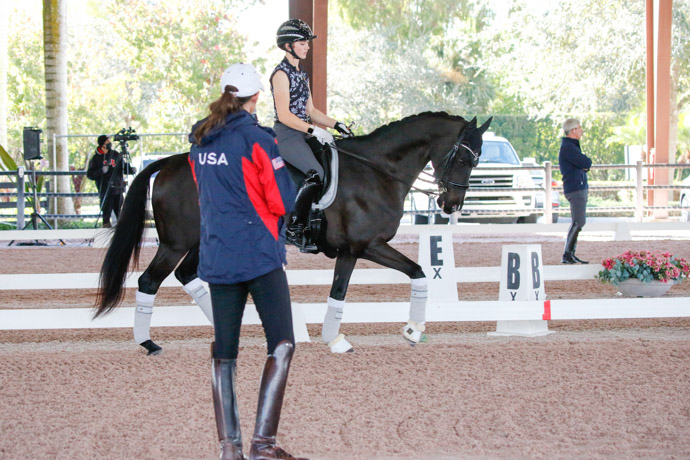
[(294, 30)]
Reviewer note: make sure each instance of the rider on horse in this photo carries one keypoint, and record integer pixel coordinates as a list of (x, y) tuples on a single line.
[(296, 120)]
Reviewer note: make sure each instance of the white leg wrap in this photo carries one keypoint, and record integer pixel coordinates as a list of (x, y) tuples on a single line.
[(340, 344), (142, 317), (418, 300), (413, 331), (202, 298), (331, 323)]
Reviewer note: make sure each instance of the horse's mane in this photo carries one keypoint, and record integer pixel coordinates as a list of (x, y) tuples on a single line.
[(395, 125)]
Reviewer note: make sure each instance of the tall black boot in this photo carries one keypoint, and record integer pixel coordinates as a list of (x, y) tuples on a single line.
[(271, 394), (570, 243), (300, 215), (227, 413)]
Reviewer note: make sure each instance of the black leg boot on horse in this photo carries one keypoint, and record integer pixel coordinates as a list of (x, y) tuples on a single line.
[(571, 244), (225, 406), (271, 394), (295, 232)]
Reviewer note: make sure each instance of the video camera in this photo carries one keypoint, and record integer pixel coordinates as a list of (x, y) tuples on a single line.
[(126, 134)]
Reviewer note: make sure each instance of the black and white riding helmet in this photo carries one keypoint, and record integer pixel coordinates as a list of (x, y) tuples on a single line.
[(294, 30)]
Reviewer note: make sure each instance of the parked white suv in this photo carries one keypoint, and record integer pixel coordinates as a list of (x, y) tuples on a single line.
[(507, 204)]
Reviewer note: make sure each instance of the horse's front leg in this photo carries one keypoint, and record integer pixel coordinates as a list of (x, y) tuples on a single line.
[(330, 333), (385, 255)]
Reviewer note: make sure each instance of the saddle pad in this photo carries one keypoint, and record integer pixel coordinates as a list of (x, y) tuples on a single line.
[(329, 195)]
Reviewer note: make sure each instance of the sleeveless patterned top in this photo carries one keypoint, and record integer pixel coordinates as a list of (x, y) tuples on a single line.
[(299, 90)]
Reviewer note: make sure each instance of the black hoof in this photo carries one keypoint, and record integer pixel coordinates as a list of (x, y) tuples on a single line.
[(151, 348)]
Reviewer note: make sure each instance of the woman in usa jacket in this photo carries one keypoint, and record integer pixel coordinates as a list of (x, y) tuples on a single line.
[(244, 193)]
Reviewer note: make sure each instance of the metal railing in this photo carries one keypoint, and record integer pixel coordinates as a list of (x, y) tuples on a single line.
[(639, 209)]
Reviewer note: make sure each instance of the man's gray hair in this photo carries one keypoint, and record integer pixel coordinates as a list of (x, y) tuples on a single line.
[(570, 124)]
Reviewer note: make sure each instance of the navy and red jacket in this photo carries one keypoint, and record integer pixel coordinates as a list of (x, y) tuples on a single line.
[(573, 165), (244, 192)]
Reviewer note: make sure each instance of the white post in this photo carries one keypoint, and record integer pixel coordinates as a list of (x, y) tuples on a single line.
[(522, 278), (639, 192), (548, 208)]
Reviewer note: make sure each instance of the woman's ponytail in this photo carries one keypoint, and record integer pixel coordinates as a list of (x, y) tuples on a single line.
[(220, 108)]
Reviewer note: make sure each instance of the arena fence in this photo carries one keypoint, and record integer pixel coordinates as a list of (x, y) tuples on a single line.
[(439, 308)]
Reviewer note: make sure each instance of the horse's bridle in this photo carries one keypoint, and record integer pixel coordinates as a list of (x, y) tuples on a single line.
[(448, 162)]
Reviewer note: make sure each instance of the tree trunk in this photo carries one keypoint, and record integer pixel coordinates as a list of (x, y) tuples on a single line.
[(55, 58), (4, 23)]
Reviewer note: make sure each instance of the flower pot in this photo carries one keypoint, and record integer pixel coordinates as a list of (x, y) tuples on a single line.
[(636, 288)]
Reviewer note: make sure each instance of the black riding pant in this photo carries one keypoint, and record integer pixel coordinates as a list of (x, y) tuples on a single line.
[(272, 300), (578, 206), (110, 202)]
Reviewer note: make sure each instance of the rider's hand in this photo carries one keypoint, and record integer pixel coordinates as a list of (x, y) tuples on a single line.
[(105, 169), (343, 129), (322, 135)]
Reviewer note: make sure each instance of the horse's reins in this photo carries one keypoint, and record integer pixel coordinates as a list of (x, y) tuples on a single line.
[(440, 183)]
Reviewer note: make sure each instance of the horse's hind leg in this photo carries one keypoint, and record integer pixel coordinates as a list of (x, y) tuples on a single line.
[(391, 258), (161, 266), (192, 285), (330, 332)]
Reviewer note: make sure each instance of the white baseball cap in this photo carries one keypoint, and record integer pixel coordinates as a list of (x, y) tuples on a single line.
[(243, 77)]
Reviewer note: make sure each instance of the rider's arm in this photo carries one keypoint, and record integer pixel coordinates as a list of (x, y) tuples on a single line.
[(318, 116), (281, 96)]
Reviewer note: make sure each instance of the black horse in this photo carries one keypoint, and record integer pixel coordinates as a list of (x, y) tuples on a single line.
[(375, 174)]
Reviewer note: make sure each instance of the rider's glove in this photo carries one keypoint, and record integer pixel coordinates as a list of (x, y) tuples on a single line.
[(105, 169), (343, 129), (322, 135)]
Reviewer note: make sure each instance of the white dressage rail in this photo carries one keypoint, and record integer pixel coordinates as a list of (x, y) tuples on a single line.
[(356, 312), (51, 281), (622, 231), (37, 318), (378, 312)]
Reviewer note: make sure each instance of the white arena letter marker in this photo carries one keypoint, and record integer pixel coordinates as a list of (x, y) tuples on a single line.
[(437, 259), (522, 278)]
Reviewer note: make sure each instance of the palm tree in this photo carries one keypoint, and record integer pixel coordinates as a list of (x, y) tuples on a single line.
[(55, 62)]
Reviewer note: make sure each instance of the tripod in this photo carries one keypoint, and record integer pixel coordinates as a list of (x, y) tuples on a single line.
[(35, 215)]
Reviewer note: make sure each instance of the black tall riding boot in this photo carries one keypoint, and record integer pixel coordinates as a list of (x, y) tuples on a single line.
[(271, 393), (227, 413), (570, 243), (300, 215)]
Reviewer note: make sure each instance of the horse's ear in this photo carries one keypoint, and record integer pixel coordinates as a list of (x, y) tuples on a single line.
[(472, 124), (485, 126)]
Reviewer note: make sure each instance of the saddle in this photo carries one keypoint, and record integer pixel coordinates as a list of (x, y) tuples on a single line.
[(327, 156)]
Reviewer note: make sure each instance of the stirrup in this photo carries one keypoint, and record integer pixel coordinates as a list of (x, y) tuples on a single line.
[(295, 236)]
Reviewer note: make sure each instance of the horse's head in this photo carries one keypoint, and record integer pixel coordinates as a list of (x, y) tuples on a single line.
[(453, 173)]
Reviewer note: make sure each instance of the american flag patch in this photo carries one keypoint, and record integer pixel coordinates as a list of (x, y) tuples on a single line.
[(278, 163)]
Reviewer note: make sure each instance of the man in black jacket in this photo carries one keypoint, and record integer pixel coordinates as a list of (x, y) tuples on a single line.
[(107, 168), (574, 166)]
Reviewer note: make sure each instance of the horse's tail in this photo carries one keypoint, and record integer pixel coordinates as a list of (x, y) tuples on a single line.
[(126, 241)]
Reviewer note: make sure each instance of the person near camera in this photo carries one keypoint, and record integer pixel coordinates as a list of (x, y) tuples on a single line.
[(245, 191), (297, 120), (107, 169), (574, 166)]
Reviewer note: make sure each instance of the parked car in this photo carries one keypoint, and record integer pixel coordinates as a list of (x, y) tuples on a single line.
[(510, 204), (538, 178)]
